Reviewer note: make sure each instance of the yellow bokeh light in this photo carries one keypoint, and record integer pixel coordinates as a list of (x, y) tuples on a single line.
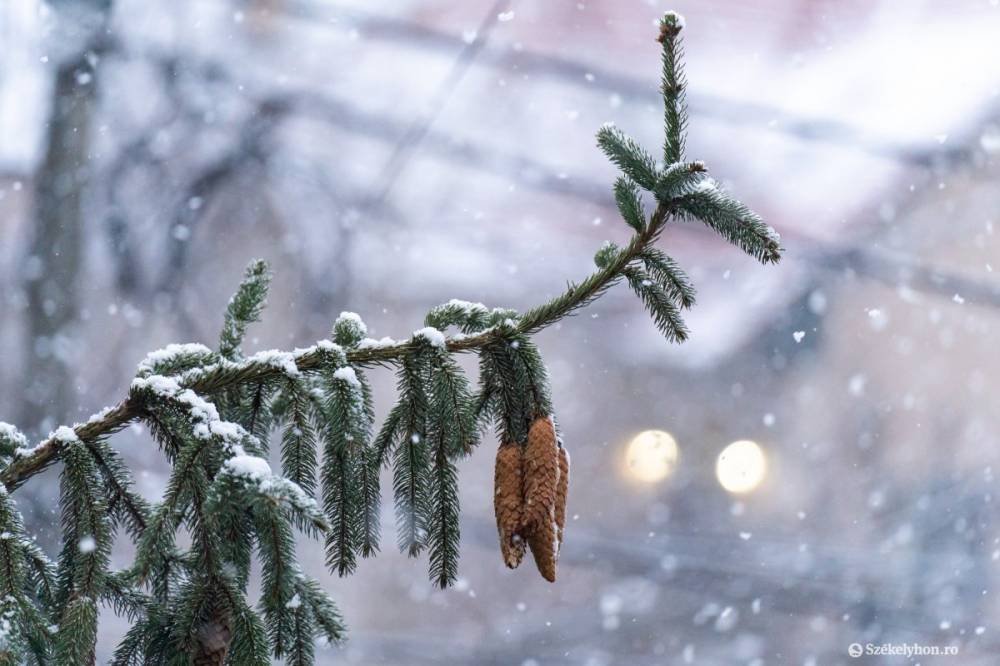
[(741, 466), (651, 456)]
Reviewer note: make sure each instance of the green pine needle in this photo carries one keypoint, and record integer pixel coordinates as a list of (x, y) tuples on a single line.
[(346, 432), (661, 307), (628, 156), (734, 222), (629, 203), (665, 271), (443, 534), (678, 179), (298, 439), (411, 463), (673, 84), (244, 308)]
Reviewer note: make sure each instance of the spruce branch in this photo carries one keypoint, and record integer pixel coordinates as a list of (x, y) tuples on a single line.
[(85, 555), (387, 434), (212, 414), (411, 464), (329, 624), (733, 221), (11, 440), (244, 308), (452, 434), (125, 599), (672, 85), (368, 471), (467, 317), (299, 648), (126, 507), (659, 304), (21, 618), (41, 573), (627, 155), (670, 276), (211, 378), (346, 431), (349, 330), (629, 203), (498, 378), (443, 532), (249, 636), (276, 546), (678, 179), (298, 441)]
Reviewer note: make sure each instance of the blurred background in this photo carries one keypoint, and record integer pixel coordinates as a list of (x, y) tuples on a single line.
[(388, 156)]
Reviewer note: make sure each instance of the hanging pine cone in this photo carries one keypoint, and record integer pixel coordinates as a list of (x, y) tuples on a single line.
[(541, 488), (507, 503), (541, 474), (562, 491), (543, 541), (530, 489)]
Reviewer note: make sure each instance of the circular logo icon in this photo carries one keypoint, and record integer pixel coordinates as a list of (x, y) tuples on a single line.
[(854, 649)]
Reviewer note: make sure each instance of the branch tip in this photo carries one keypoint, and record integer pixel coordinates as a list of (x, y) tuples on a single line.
[(670, 26)]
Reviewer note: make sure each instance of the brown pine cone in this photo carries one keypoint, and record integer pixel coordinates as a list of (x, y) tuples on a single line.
[(543, 540), (541, 475), (562, 490), (507, 503)]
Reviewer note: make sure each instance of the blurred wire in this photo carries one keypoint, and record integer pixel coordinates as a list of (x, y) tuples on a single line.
[(411, 139), (732, 111)]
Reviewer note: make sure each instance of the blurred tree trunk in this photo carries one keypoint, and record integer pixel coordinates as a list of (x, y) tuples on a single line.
[(52, 270)]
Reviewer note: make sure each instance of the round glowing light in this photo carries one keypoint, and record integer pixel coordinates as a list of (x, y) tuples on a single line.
[(741, 466), (651, 456)]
